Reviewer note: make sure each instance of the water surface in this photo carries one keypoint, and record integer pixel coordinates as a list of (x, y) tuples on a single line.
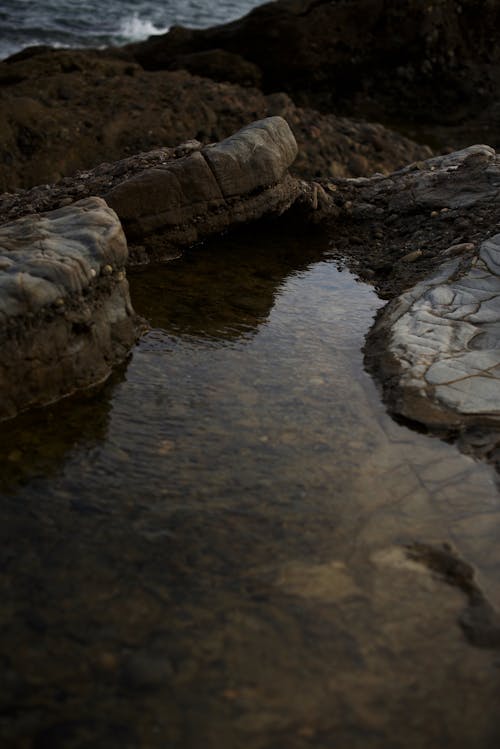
[(209, 552), (74, 23)]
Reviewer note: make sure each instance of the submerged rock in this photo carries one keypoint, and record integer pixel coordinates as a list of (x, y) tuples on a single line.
[(65, 312)]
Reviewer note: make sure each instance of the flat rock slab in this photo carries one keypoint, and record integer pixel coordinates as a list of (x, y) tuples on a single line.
[(442, 361), (65, 312)]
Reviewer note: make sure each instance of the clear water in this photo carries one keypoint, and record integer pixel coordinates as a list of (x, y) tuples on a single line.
[(92, 23), (209, 551)]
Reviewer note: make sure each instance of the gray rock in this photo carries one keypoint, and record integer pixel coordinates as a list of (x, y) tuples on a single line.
[(170, 198), (443, 343), (240, 179), (65, 312)]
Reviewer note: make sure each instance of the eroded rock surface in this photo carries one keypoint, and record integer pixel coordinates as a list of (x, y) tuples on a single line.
[(238, 180), (65, 312), (427, 236)]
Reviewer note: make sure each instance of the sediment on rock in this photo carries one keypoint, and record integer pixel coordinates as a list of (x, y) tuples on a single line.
[(65, 312)]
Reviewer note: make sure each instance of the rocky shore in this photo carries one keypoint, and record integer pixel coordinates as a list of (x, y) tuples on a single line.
[(80, 126)]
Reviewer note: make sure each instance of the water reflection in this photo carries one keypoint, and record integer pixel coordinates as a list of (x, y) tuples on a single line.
[(36, 443), (225, 294), (243, 584)]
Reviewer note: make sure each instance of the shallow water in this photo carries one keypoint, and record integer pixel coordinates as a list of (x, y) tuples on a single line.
[(210, 551)]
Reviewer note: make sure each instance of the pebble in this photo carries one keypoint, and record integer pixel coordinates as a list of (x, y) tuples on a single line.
[(459, 249), (412, 256)]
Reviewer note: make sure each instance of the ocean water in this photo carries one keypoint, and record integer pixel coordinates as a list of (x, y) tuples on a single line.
[(92, 23)]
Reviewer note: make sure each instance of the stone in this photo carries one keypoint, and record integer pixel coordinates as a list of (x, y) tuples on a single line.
[(170, 198), (238, 180), (118, 110), (65, 320), (437, 347)]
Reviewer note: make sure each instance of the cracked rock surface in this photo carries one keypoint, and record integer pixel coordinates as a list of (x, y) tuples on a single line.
[(443, 340), (65, 312), (427, 236)]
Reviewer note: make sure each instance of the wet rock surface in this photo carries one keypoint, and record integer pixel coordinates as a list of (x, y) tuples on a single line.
[(65, 312)]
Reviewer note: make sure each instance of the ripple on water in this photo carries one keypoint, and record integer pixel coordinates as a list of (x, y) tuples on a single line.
[(210, 550)]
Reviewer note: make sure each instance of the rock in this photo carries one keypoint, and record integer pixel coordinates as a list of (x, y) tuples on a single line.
[(64, 321), (118, 109), (392, 217), (443, 343), (393, 61), (240, 179), (168, 199), (459, 249), (435, 348), (411, 257)]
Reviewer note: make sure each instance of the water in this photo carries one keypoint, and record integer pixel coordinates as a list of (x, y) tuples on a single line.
[(210, 551), (92, 23)]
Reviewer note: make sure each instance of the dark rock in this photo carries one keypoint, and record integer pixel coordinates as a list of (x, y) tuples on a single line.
[(409, 60), (110, 109)]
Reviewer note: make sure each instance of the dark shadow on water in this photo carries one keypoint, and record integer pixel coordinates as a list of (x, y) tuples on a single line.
[(37, 442), (225, 288), (201, 294)]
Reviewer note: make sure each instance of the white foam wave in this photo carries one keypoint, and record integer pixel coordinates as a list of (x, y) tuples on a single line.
[(135, 29)]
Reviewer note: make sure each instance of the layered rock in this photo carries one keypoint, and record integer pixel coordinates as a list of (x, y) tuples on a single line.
[(65, 312), (170, 198), (238, 180), (428, 237)]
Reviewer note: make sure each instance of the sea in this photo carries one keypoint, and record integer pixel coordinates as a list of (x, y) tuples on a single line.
[(102, 23)]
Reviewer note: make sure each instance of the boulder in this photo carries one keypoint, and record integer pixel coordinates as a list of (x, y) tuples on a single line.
[(243, 178), (397, 61), (64, 111), (168, 199), (65, 312)]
